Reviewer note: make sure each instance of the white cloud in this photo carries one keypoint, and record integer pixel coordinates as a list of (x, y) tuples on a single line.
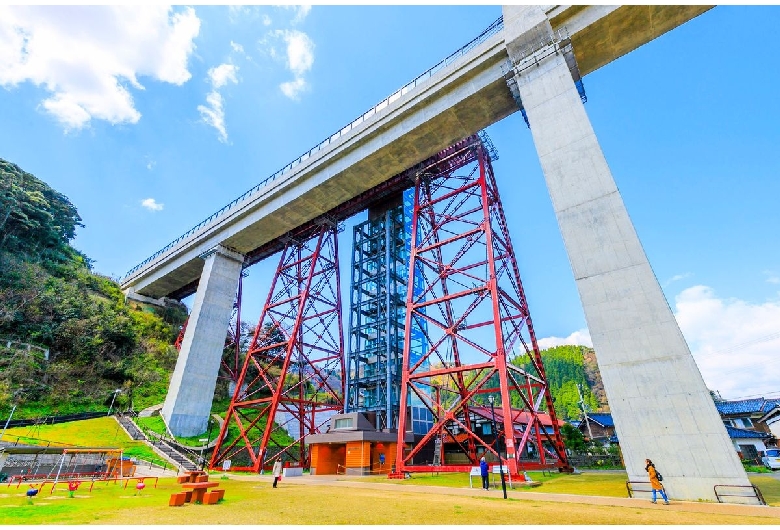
[(293, 89), (300, 13), (736, 344), (152, 205), (299, 59), (677, 278), (578, 338), (86, 57), (214, 113), (266, 20), (221, 74), (236, 47), (772, 277), (300, 51)]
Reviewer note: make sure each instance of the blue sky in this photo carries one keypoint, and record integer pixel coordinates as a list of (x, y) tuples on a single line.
[(150, 119)]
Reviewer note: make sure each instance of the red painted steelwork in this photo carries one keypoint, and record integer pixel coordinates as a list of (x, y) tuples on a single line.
[(473, 311), (293, 374)]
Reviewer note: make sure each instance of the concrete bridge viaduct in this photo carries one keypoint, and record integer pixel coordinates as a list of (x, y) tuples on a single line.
[(661, 406)]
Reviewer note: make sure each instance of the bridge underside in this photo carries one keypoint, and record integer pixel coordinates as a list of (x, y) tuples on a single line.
[(457, 101)]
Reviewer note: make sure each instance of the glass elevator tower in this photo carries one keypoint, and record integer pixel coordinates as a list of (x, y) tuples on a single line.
[(380, 273)]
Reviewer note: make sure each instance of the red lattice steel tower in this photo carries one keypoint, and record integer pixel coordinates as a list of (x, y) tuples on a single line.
[(473, 312), (293, 377)]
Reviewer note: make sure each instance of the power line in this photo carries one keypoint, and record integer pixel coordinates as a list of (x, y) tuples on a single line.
[(759, 340)]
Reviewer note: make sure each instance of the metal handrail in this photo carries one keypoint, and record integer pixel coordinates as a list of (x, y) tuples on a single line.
[(756, 492), (630, 489), (494, 28)]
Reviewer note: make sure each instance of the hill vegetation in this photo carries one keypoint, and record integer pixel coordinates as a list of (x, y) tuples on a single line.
[(567, 368), (50, 297)]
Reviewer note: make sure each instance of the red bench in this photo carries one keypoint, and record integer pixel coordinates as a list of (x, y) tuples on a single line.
[(177, 499), (213, 496)]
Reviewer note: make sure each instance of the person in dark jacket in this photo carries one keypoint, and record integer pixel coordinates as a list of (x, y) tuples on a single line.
[(655, 484), (483, 470)]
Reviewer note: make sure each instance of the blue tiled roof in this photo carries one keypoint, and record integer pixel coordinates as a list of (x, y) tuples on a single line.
[(746, 406), (769, 404), (602, 418), (745, 433)]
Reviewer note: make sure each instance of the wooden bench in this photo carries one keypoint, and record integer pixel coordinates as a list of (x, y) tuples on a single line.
[(213, 496), (178, 499)]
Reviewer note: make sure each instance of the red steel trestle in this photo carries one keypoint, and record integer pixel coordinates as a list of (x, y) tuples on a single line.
[(292, 380), (473, 312)]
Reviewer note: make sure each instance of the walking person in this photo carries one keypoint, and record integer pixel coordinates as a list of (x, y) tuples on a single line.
[(655, 481), (277, 471), (483, 471)]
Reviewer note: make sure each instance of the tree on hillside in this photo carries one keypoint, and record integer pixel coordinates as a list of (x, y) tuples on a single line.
[(35, 220), (49, 297), (564, 369)]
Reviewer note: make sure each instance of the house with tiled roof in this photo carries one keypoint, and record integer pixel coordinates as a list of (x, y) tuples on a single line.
[(747, 425), (772, 420), (746, 413), (598, 426), (481, 419)]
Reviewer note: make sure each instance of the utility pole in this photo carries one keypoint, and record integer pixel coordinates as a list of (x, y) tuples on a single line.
[(584, 411)]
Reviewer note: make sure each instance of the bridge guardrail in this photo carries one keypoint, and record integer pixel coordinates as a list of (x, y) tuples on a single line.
[(494, 28)]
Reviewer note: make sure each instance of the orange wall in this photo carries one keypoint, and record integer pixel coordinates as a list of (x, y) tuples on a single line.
[(326, 458), (358, 454)]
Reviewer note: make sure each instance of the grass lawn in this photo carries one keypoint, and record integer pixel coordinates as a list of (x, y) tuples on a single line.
[(255, 502), (602, 484), (98, 432)]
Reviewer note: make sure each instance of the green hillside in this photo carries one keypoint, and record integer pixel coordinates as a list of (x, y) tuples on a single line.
[(566, 367), (50, 297)]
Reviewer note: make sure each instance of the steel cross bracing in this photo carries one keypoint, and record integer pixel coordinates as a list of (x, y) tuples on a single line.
[(292, 379), (473, 313), (230, 365)]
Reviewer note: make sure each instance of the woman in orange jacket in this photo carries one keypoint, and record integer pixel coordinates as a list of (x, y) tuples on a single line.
[(655, 483)]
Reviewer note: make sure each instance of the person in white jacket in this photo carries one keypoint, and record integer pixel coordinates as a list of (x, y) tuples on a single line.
[(277, 471)]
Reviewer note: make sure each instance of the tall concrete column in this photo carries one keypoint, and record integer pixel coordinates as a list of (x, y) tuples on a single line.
[(660, 404), (188, 403)]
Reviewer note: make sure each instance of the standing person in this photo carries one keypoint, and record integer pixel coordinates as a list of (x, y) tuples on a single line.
[(277, 471), (655, 482), (483, 470)]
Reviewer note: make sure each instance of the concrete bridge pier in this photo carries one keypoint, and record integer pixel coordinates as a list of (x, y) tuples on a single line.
[(191, 390), (661, 406)]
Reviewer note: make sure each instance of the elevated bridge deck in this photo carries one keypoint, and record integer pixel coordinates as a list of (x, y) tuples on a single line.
[(458, 97)]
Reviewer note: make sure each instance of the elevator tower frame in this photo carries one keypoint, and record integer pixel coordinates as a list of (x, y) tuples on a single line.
[(380, 273), (474, 313)]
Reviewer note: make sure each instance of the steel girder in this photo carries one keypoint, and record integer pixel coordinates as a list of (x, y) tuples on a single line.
[(292, 380), (473, 312)]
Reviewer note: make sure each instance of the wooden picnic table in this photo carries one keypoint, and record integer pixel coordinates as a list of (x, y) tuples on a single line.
[(199, 489)]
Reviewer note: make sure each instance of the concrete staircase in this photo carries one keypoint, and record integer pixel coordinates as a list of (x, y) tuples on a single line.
[(158, 444)]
